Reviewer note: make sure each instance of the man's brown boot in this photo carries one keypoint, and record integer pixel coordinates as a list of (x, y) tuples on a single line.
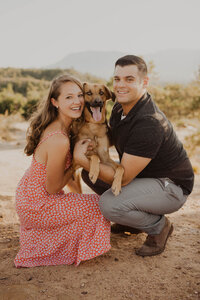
[(155, 244)]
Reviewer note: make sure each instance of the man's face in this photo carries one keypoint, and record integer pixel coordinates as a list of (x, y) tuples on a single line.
[(129, 85)]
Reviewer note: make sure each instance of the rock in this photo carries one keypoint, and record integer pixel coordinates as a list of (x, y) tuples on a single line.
[(29, 278), (116, 259), (4, 240), (84, 293), (127, 233)]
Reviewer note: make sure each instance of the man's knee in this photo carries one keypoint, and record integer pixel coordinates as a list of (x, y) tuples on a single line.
[(109, 206)]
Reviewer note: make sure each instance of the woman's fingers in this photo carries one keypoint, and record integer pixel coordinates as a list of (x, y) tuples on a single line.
[(86, 141), (87, 144), (81, 146)]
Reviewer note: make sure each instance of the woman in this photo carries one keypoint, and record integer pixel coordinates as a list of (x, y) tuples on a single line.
[(57, 228)]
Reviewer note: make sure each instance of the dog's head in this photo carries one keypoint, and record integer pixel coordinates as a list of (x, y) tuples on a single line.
[(96, 96)]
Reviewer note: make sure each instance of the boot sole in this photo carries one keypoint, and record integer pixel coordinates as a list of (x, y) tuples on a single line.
[(161, 250)]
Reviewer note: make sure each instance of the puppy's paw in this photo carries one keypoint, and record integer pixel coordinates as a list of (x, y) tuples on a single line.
[(93, 177), (116, 188), (117, 182)]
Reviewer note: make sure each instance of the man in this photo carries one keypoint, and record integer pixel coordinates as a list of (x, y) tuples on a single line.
[(158, 175)]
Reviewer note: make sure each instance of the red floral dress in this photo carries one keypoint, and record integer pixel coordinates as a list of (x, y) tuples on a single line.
[(58, 228)]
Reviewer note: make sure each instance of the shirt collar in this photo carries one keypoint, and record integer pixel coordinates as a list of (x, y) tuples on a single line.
[(135, 108)]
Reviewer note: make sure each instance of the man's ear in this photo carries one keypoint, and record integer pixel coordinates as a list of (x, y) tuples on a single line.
[(109, 94), (145, 82)]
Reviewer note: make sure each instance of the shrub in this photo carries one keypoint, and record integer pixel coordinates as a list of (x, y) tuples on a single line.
[(29, 107), (10, 101)]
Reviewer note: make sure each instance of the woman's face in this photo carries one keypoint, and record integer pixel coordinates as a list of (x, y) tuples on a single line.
[(70, 101)]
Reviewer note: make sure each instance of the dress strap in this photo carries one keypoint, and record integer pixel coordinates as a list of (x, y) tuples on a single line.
[(50, 134)]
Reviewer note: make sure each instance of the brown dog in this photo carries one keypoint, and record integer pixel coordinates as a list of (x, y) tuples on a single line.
[(94, 127)]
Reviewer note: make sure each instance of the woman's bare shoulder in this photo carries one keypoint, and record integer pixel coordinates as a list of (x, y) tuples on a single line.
[(58, 140)]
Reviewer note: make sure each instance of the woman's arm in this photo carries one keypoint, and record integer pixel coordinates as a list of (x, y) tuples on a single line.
[(57, 176)]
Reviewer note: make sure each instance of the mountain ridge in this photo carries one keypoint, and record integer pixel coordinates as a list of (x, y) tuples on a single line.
[(172, 65)]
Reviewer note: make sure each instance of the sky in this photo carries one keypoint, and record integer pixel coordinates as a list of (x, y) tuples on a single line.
[(36, 33)]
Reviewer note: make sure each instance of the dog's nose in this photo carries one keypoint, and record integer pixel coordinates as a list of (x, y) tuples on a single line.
[(97, 102)]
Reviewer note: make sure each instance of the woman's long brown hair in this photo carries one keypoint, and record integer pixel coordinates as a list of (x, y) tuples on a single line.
[(46, 113)]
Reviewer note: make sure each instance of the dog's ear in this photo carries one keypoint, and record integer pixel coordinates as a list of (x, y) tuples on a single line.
[(113, 96), (110, 94), (84, 84)]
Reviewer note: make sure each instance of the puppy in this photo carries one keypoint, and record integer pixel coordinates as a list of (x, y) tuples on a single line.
[(94, 127)]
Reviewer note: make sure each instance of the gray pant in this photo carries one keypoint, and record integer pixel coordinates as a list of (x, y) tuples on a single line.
[(143, 203)]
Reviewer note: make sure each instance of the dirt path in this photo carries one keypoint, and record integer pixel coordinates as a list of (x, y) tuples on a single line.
[(117, 275)]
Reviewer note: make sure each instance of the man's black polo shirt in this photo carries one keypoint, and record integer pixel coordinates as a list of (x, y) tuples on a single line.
[(146, 132)]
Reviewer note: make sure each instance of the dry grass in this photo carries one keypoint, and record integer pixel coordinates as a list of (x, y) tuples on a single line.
[(7, 129)]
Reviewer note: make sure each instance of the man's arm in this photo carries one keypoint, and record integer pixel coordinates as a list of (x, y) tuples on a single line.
[(132, 164)]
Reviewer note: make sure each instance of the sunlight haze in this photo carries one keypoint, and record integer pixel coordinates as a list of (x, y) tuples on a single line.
[(36, 33)]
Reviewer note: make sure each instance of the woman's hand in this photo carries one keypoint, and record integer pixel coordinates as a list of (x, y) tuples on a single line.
[(80, 149)]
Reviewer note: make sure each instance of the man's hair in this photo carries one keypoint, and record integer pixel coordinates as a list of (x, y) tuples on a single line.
[(133, 60)]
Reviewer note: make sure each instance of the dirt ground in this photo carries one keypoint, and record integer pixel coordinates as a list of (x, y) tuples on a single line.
[(117, 275)]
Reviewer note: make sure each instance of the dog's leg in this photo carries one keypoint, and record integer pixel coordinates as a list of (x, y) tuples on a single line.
[(119, 171), (116, 185), (74, 184), (94, 168)]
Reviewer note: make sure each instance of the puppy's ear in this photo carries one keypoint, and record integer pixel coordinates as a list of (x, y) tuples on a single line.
[(84, 85), (113, 97), (109, 94)]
